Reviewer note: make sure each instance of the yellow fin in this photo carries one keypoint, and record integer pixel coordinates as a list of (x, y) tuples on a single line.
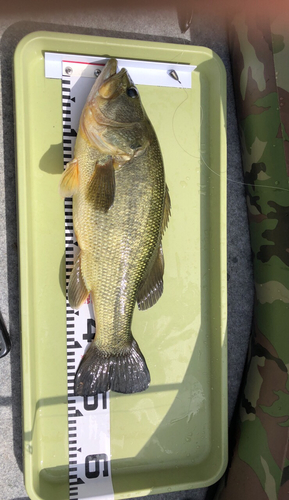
[(151, 288), (101, 188), (167, 210), (77, 291), (69, 180)]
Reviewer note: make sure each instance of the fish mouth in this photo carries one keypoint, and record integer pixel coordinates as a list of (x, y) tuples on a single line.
[(112, 81), (109, 71)]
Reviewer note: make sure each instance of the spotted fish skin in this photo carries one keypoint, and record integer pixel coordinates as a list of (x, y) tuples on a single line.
[(121, 208)]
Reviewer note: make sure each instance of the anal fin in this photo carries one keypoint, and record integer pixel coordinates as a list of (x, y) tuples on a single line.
[(167, 210), (101, 188), (77, 291), (69, 180), (151, 288)]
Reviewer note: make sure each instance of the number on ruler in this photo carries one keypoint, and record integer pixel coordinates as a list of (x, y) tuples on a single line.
[(90, 403), (89, 335), (94, 461)]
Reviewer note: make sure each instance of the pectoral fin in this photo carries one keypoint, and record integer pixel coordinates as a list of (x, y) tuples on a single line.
[(77, 291), (167, 210), (101, 188), (69, 180), (152, 287)]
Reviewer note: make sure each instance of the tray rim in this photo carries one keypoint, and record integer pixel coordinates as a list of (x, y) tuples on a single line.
[(46, 37)]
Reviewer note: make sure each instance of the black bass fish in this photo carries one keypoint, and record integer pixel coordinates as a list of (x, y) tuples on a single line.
[(121, 208)]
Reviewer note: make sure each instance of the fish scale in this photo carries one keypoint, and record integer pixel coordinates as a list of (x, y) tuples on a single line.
[(108, 278)]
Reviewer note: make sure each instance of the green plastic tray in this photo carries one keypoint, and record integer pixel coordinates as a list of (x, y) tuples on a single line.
[(173, 436)]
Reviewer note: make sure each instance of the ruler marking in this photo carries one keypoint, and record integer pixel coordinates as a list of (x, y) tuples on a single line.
[(87, 451)]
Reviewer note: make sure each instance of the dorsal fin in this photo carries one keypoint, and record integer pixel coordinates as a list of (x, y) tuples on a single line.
[(77, 291), (69, 180)]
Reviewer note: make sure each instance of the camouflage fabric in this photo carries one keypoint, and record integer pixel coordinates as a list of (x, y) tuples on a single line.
[(259, 466)]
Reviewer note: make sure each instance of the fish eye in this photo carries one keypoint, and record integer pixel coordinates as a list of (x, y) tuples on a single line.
[(132, 92)]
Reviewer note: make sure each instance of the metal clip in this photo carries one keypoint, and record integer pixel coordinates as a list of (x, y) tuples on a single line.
[(173, 74)]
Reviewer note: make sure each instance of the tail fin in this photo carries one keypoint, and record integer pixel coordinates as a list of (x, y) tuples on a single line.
[(97, 372)]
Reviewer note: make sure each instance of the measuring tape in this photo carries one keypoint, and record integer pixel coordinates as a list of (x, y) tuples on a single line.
[(88, 417)]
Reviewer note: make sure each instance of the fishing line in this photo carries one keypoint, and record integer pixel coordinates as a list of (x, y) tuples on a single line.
[(203, 161)]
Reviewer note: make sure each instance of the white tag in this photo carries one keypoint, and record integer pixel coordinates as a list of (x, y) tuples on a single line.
[(141, 72)]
